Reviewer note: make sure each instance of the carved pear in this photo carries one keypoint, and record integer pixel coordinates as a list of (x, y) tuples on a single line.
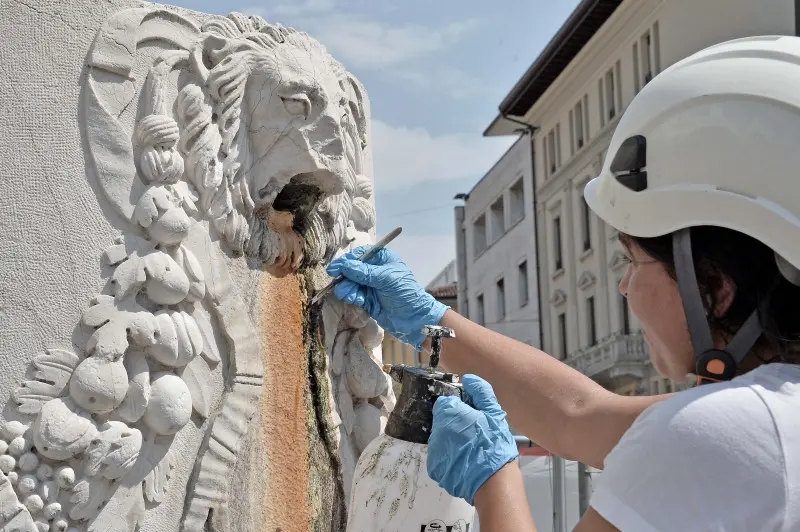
[(170, 404), (62, 430), (99, 385)]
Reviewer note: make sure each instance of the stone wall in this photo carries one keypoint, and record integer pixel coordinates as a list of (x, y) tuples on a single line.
[(173, 184)]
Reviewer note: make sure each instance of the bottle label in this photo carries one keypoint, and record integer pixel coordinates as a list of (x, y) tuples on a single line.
[(437, 525)]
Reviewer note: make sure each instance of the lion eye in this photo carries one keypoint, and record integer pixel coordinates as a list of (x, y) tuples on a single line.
[(297, 105)]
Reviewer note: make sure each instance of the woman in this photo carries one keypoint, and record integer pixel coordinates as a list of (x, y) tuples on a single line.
[(701, 180)]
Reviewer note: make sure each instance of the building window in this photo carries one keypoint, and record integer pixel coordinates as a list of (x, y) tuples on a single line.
[(618, 84), (562, 331), (650, 53), (624, 317), (498, 217), (656, 49), (647, 58), (602, 100), (591, 325), (557, 243), (571, 132), (586, 224), (558, 144), (479, 234), (522, 274), (587, 135), (479, 316), (501, 300), (636, 78), (551, 151), (517, 197), (610, 94), (579, 131), (545, 159)]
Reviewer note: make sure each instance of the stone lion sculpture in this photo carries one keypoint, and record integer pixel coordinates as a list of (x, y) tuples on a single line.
[(228, 144)]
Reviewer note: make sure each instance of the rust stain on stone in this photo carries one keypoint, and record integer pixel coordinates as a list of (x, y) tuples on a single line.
[(284, 432)]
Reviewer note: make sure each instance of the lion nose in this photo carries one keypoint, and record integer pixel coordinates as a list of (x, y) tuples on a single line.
[(330, 133)]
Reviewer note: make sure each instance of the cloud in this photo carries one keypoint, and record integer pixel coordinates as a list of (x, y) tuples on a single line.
[(447, 80), (406, 156), (362, 42), (309, 6)]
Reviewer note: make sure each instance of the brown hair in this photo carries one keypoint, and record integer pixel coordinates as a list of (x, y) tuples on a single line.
[(750, 266)]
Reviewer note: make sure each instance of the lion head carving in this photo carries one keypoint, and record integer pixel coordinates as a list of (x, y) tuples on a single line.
[(272, 140)]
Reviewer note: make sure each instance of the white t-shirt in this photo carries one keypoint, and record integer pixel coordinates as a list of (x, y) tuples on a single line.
[(719, 457)]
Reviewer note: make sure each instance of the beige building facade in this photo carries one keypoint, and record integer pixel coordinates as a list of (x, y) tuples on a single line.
[(573, 95)]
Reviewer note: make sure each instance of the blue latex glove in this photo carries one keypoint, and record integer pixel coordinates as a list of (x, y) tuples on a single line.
[(468, 445), (385, 287)]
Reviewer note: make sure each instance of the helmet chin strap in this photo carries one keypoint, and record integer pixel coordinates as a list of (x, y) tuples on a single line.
[(711, 364)]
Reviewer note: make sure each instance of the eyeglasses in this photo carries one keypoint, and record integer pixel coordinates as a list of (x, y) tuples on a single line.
[(635, 262)]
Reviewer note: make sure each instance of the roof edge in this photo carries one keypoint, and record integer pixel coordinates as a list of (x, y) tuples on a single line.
[(573, 23)]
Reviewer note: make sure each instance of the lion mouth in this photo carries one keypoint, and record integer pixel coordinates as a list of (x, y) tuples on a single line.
[(299, 197), (288, 212)]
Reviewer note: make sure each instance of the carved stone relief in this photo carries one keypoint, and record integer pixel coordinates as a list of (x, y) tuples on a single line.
[(586, 280), (618, 261), (221, 142), (558, 298)]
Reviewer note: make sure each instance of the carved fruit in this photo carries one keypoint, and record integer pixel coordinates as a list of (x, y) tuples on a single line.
[(166, 283), (62, 430), (179, 341), (172, 227), (170, 404), (99, 385)]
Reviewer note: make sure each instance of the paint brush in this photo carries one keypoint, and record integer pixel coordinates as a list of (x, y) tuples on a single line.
[(371, 252)]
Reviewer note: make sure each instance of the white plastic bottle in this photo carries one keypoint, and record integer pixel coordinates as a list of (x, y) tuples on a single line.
[(392, 491)]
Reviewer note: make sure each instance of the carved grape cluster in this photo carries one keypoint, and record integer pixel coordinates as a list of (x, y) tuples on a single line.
[(40, 486)]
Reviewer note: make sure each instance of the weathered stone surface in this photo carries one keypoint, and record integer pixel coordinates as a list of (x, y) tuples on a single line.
[(173, 185)]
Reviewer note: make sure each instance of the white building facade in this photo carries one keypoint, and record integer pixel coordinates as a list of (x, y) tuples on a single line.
[(496, 249), (573, 95)]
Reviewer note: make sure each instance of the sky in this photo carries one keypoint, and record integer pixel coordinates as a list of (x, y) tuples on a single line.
[(435, 71)]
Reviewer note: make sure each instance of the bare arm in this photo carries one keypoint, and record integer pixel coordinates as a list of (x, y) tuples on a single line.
[(501, 502), (554, 405)]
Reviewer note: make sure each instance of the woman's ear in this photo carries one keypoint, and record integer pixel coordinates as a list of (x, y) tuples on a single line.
[(724, 297)]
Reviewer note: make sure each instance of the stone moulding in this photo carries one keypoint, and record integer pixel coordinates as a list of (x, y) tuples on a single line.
[(203, 167)]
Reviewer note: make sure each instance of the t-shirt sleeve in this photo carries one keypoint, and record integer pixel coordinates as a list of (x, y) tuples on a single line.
[(708, 458)]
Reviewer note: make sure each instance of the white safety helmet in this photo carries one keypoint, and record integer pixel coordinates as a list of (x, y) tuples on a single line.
[(712, 140)]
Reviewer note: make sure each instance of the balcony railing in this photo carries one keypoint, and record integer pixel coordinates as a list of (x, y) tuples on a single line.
[(612, 351)]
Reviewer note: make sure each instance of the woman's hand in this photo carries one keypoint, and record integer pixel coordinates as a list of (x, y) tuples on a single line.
[(468, 445), (385, 287)]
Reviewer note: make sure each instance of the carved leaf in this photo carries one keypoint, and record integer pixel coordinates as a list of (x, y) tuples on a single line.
[(126, 504), (197, 375), (203, 320), (50, 376), (114, 450), (158, 459), (87, 497), (128, 277), (116, 325), (154, 271), (339, 350), (194, 272)]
